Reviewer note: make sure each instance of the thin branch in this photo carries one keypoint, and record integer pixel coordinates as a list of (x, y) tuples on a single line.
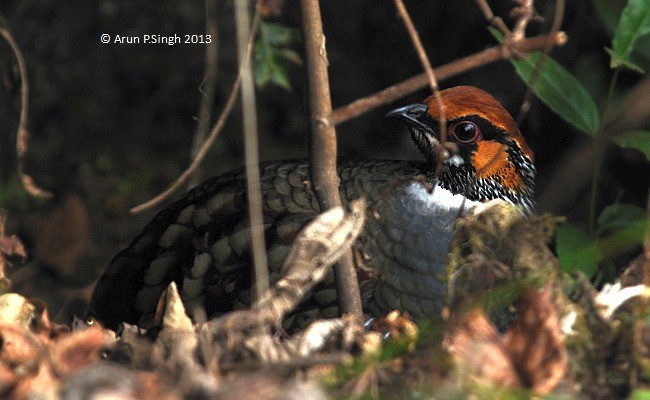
[(492, 19), (411, 85), (417, 44), (548, 46), (431, 78), (207, 88), (22, 135), (5, 283), (258, 246), (646, 246), (213, 134), (322, 147), (525, 12)]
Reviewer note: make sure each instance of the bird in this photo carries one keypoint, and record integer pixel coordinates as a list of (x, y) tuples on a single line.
[(202, 240)]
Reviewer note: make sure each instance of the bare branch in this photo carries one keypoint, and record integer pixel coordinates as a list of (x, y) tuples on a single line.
[(431, 77), (258, 247), (404, 88), (646, 246), (207, 88), (213, 134), (492, 19), (525, 12), (548, 46), (323, 145), (22, 135)]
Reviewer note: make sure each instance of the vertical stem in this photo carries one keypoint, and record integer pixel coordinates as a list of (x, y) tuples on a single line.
[(595, 177), (433, 83), (208, 87), (258, 247), (646, 246), (322, 146), (600, 152)]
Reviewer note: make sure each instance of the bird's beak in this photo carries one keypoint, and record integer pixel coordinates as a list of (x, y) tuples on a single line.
[(413, 115), (424, 135)]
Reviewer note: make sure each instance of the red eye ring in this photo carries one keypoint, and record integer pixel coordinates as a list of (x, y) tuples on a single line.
[(465, 131)]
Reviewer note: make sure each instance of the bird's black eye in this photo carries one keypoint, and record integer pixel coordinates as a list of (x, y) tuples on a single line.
[(465, 131)]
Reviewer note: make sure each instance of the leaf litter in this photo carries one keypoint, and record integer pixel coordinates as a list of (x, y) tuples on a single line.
[(514, 326)]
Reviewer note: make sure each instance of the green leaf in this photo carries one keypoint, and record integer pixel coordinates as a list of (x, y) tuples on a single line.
[(273, 58), (577, 250), (279, 35), (280, 77), (261, 69), (640, 394), (639, 140), (609, 11), (290, 56), (620, 228), (618, 217), (618, 61), (559, 90), (634, 23)]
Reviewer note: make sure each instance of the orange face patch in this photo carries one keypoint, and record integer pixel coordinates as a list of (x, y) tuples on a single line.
[(460, 101), (491, 159)]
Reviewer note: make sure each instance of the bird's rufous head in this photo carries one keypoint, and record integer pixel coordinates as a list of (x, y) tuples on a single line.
[(493, 159)]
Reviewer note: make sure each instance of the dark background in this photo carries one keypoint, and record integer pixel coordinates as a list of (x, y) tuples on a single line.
[(112, 125)]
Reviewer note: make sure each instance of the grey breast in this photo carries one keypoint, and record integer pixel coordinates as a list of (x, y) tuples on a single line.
[(407, 241)]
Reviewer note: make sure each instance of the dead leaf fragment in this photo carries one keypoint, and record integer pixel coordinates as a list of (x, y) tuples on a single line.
[(79, 349), (23, 365), (531, 353), (272, 7), (16, 310), (478, 350), (11, 249), (11, 246), (534, 343), (398, 326), (177, 334), (19, 346)]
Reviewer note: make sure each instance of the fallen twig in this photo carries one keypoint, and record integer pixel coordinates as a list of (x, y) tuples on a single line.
[(22, 135)]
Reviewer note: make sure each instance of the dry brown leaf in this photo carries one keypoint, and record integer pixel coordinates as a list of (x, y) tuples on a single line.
[(42, 325), (534, 343), (397, 325), (11, 249), (8, 380), (79, 349), (113, 381), (268, 385), (177, 335), (530, 354), (11, 246), (23, 365), (272, 7), (42, 384), (16, 310), (62, 234), (478, 350)]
